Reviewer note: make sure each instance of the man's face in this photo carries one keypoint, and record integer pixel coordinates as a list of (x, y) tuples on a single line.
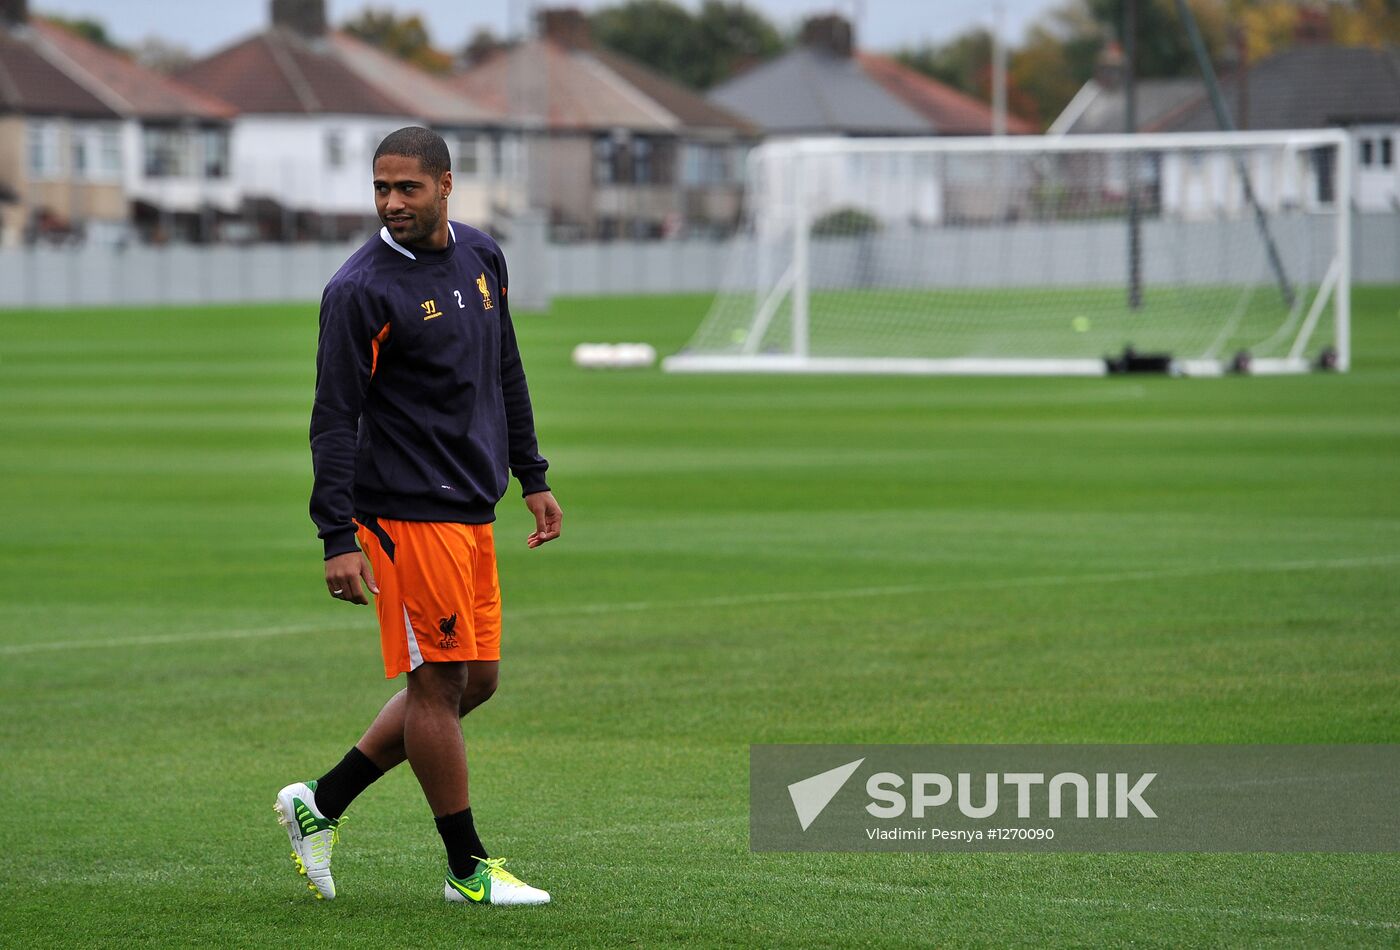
[(409, 200)]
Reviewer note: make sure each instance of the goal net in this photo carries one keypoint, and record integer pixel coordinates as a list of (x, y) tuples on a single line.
[(1038, 255)]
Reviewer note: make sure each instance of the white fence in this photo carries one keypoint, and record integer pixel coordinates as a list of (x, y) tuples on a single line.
[(37, 278)]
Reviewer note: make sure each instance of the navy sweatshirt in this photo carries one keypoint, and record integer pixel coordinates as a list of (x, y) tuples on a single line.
[(421, 408)]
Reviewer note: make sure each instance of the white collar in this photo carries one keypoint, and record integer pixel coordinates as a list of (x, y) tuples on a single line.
[(384, 236)]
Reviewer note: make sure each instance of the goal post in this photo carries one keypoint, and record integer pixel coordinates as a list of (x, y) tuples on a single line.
[(1014, 256)]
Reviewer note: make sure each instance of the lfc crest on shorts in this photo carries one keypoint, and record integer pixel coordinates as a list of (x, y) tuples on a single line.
[(449, 639)]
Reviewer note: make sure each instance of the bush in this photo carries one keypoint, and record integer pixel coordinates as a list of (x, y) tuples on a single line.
[(845, 222)]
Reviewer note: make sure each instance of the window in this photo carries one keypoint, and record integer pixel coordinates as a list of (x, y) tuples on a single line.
[(604, 160), (510, 156), (335, 149), (95, 151), (707, 165), (468, 158), (109, 151), (1368, 147), (718, 161), (168, 152), (1387, 152), (80, 166), (642, 171), (42, 149), (1323, 162), (692, 164), (214, 151), (736, 163)]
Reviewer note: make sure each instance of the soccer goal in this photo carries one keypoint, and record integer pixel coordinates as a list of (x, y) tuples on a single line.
[(1054, 255)]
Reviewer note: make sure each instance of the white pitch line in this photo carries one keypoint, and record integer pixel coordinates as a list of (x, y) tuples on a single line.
[(741, 600), (156, 639), (1001, 583)]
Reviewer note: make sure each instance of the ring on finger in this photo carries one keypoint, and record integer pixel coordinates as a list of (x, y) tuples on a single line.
[(338, 592)]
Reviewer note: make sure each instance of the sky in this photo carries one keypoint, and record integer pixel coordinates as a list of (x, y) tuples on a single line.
[(208, 25)]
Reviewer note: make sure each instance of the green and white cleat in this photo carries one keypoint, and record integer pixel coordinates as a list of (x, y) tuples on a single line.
[(492, 884), (313, 835)]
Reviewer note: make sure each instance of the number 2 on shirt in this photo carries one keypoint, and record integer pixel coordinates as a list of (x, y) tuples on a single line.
[(458, 295)]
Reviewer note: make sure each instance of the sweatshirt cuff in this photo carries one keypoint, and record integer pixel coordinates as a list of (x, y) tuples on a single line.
[(532, 482), (340, 542)]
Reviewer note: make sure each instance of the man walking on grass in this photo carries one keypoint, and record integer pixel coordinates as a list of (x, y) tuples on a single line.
[(421, 414)]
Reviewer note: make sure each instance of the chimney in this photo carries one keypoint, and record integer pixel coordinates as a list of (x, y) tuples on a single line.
[(14, 12), (566, 26), (1108, 67), (1313, 28), (831, 34), (307, 17)]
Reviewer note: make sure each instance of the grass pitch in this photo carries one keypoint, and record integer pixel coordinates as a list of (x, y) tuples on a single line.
[(745, 559)]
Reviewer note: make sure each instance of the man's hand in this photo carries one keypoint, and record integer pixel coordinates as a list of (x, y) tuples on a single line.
[(343, 573), (547, 518)]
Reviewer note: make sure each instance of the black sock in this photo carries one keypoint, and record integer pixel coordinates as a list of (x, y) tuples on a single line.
[(462, 844), (348, 778)]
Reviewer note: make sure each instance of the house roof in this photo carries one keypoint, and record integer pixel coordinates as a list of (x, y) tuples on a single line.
[(691, 109), (948, 110), (416, 92), (567, 89), (126, 86), (811, 90), (587, 89), (1099, 110), (1306, 87), (281, 71), (32, 85)]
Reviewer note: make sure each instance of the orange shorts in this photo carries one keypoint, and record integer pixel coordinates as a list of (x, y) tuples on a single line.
[(439, 598)]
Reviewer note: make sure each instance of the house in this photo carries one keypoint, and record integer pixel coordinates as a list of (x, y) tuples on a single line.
[(615, 150), (306, 129), (818, 88), (488, 166), (174, 142), (1090, 183), (1100, 105), (47, 121), (1313, 85), (948, 111), (1310, 86), (92, 143), (825, 87)]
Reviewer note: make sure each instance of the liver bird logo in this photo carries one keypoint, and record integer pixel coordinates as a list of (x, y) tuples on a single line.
[(449, 639), (485, 290)]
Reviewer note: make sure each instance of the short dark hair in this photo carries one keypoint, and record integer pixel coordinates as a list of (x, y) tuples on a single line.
[(414, 141)]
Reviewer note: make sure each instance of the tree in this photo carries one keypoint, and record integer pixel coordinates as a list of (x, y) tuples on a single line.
[(734, 36), (1044, 70), (695, 50), (94, 31), (960, 62), (162, 55), (965, 63), (659, 33), (482, 44), (405, 37), (1365, 22)]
